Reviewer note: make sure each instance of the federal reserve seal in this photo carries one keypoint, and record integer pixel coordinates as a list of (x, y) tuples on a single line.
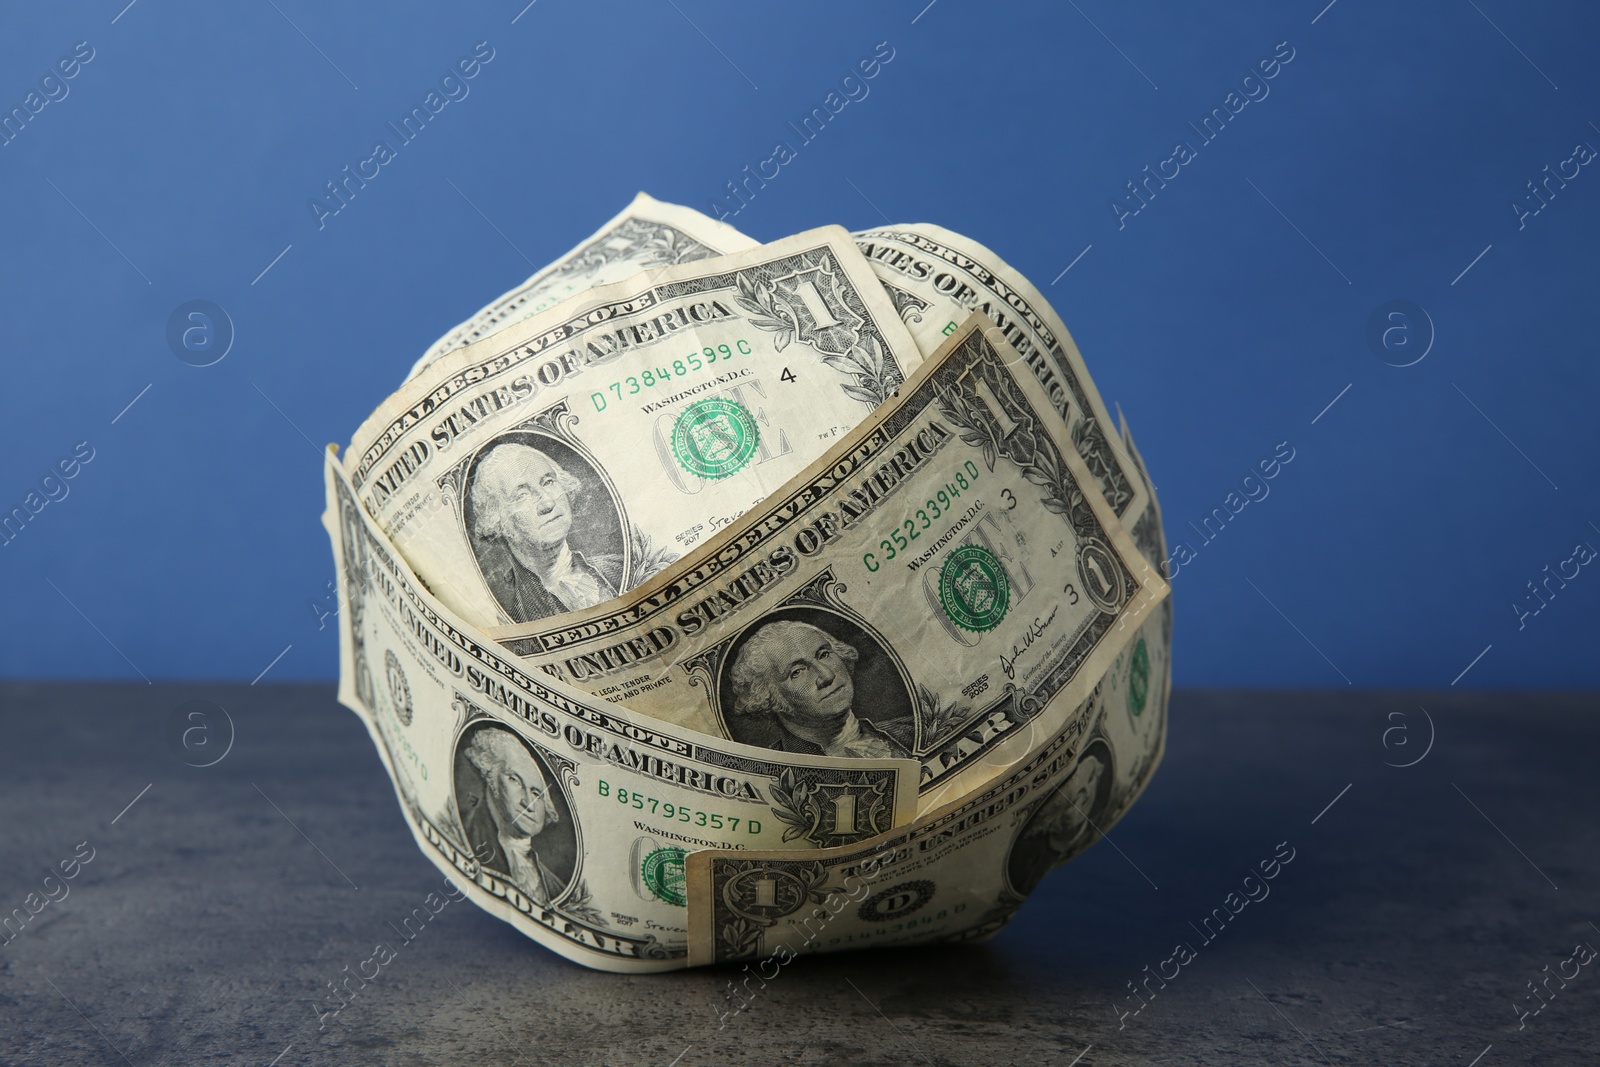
[(896, 901), (662, 872), (399, 688), (973, 588), (714, 437)]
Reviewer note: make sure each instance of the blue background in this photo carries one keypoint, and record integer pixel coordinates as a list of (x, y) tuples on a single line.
[(1388, 553)]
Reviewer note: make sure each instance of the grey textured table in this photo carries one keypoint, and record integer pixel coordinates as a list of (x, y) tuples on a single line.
[(221, 903)]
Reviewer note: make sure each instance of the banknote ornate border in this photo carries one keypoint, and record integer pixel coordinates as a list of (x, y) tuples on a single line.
[(673, 246), (1146, 533), (850, 344), (1026, 444), (793, 886), (1088, 436), (353, 538), (908, 305), (805, 800)]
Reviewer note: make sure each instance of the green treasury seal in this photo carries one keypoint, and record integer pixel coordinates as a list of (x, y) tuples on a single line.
[(662, 871), (714, 437), (973, 588), (1139, 678)]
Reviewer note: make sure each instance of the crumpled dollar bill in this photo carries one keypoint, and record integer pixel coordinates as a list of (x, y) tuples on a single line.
[(713, 601)]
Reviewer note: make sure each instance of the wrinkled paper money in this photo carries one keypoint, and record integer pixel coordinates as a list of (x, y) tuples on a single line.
[(927, 589), (646, 234), (566, 815), (561, 461), (711, 602)]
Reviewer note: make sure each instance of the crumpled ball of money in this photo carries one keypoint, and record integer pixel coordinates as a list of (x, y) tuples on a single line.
[(709, 600)]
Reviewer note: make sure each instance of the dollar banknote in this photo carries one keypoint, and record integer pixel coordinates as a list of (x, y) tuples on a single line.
[(565, 815), (565, 459), (1138, 687), (958, 873), (646, 234), (930, 588), (937, 278), (1146, 529)]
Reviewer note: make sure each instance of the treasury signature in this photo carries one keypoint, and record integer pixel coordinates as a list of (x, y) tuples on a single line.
[(1035, 631)]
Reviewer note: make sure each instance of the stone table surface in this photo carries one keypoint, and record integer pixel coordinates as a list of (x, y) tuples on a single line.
[(1422, 905)]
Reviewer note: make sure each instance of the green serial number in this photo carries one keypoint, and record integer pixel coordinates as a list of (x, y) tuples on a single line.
[(677, 368), (669, 810), (908, 531)]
